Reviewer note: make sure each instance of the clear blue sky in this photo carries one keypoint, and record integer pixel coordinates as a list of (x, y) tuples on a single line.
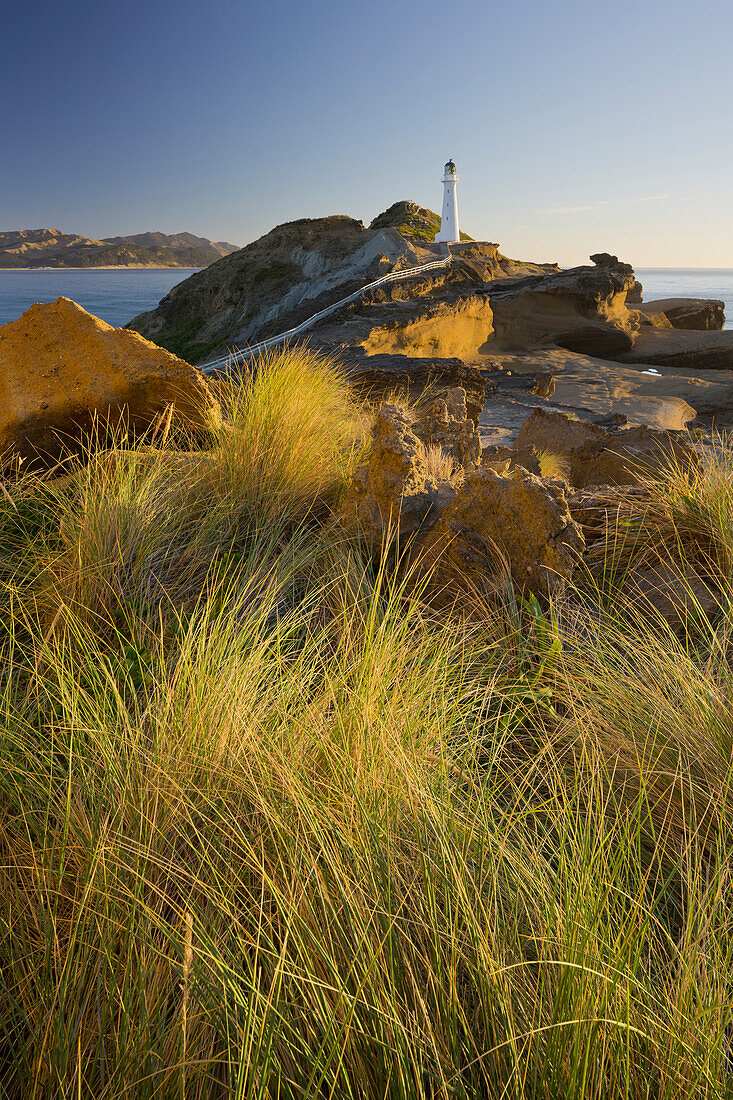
[(576, 126)]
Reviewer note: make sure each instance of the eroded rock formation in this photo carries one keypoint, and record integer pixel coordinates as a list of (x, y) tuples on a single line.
[(464, 522), (513, 520)]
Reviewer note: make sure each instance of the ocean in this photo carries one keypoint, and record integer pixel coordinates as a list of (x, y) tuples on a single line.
[(114, 294), (118, 295)]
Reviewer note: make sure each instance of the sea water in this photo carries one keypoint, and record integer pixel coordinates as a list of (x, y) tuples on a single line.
[(115, 295)]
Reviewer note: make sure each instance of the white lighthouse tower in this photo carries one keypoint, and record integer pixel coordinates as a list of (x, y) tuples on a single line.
[(449, 222)]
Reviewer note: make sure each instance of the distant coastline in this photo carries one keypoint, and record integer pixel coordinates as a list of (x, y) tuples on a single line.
[(41, 249), (107, 267)]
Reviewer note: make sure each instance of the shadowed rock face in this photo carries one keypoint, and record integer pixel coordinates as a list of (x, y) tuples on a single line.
[(695, 351), (376, 375), (582, 309), (63, 370), (687, 313)]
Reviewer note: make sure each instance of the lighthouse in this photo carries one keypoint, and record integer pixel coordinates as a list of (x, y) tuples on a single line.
[(449, 221)]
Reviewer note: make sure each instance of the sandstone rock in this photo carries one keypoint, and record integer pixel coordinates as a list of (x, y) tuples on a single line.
[(604, 259), (599, 456), (694, 351), (631, 455), (634, 295), (582, 309), (390, 495), (61, 369), (462, 528), (376, 375), (456, 326), (540, 383), (644, 316), (513, 516), (446, 424), (688, 313), (557, 433)]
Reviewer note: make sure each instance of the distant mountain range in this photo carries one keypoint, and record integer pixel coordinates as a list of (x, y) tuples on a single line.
[(26, 248)]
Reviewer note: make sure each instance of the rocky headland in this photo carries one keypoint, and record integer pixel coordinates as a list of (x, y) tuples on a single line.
[(515, 334)]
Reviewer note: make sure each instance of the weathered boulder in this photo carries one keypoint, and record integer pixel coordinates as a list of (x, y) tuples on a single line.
[(651, 318), (557, 433), (605, 259), (391, 494), (63, 370), (596, 455), (513, 517), (687, 313), (466, 523)]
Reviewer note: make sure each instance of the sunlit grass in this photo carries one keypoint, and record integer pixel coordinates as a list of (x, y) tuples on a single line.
[(272, 826)]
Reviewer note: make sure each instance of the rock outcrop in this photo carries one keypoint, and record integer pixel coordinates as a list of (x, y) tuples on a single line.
[(465, 324), (62, 371), (301, 267), (393, 494), (447, 424), (582, 309), (687, 313), (633, 296), (598, 455), (375, 376), (514, 520), (464, 522), (694, 351)]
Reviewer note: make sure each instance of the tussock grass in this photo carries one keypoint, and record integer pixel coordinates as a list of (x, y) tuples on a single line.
[(439, 465), (553, 465), (272, 826)]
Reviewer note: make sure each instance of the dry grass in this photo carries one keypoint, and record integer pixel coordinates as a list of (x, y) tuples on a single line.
[(438, 465), (552, 465), (272, 827)]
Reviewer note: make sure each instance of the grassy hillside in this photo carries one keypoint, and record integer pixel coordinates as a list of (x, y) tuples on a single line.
[(272, 826)]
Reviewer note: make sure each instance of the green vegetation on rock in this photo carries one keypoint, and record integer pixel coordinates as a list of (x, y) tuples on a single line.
[(412, 221)]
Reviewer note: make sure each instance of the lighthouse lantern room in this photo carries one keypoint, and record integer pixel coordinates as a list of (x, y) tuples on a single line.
[(449, 232)]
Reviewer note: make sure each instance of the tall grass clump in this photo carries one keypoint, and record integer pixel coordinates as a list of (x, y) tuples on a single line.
[(273, 826)]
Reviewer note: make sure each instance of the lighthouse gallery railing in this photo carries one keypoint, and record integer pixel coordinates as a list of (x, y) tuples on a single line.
[(242, 354)]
